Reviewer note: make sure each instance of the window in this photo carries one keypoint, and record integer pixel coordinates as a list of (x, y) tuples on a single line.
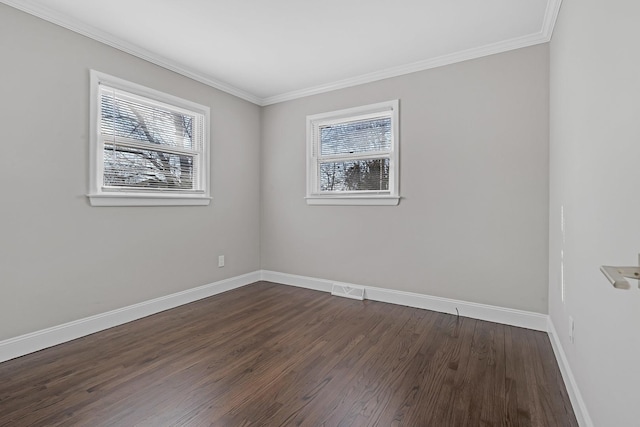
[(147, 147), (352, 156)]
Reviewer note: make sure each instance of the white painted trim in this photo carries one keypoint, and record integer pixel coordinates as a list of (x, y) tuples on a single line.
[(387, 109), (579, 406), (100, 196), (354, 200), (544, 36), (490, 313), (551, 13), (146, 200), (79, 27), (426, 64), (35, 341), (507, 316), (347, 291), (550, 18), (298, 281)]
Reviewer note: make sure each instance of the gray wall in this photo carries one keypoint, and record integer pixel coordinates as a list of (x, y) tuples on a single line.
[(595, 99), (61, 259), (472, 224), (473, 221)]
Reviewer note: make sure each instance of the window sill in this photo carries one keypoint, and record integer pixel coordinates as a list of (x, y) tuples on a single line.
[(353, 200), (147, 200)]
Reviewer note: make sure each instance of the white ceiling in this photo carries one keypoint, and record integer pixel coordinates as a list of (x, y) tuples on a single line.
[(270, 51)]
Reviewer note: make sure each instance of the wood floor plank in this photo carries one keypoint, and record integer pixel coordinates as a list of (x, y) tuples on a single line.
[(369, 396), (341, 371), (376, 374), (554, 384), (520, 388), (273, 355)]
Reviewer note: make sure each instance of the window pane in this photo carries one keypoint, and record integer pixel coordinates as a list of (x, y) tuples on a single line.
[(356, 137), (133, 167), (126, 118), (355, 175)]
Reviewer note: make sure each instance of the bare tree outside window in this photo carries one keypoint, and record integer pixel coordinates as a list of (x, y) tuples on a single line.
[(352, 156), (363, 136), (147, 147), (143, 143)]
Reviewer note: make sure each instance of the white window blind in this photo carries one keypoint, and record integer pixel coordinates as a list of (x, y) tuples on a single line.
[(147, 144), (346, 150), (360, 136)]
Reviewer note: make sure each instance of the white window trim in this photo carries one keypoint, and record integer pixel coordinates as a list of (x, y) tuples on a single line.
[(369, 198), (126, 197)]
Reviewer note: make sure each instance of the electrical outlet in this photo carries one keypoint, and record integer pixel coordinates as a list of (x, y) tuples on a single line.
[(572, 326), (221, 261)]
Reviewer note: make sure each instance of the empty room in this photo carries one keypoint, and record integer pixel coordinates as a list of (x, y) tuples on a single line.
[(338, 213)]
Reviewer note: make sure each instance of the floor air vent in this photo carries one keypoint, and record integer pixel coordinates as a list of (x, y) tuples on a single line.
[(348, 291)]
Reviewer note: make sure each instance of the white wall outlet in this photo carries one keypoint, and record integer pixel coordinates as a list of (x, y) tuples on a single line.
[(572, 326), (221, 261)]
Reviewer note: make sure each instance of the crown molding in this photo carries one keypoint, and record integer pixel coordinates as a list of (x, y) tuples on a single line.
[(550, 18), (465, 55), (103, 37), (544, 36)]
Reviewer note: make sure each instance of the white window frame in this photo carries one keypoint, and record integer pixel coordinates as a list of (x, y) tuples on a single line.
[(314, 158), (103, 196)]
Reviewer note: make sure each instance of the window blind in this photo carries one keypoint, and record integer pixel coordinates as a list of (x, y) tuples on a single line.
[(370, 135), (148, 144)]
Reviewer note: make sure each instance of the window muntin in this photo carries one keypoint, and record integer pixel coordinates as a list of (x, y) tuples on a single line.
[(353, 155), (146, 145)]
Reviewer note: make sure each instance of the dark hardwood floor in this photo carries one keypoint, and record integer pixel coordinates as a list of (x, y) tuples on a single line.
[(272, 355)]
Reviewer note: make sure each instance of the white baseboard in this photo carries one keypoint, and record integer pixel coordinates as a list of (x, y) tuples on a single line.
[(507, 316), (35, 341), (298, 281), (579, 406)]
